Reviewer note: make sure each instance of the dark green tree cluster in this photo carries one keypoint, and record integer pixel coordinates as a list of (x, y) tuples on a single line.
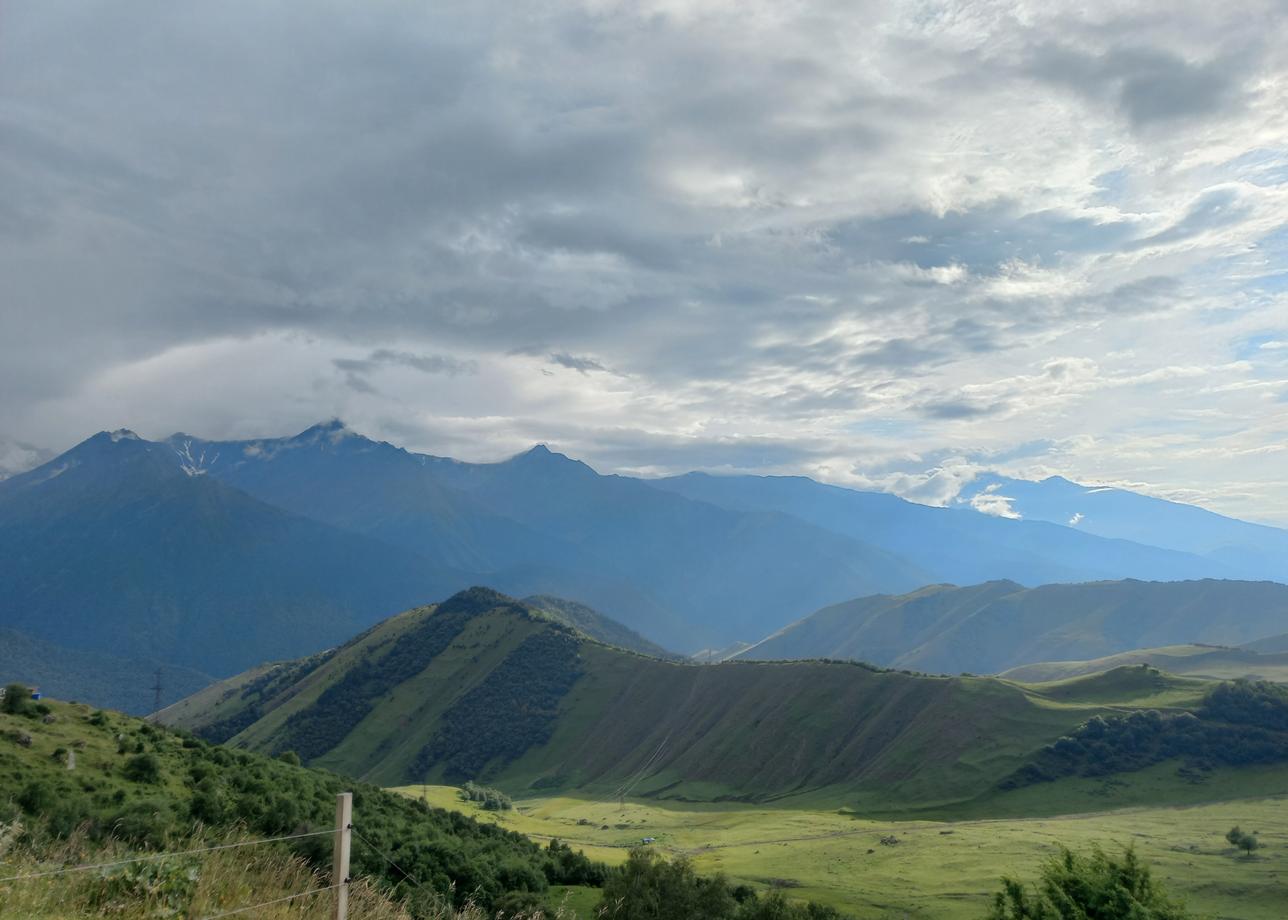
[(490, 799), (1238, 723), (649, 887), (512, 710), (1090, 887), (1246, 702), (262, 687), (1240, 838), (17, 700), (316, 729)]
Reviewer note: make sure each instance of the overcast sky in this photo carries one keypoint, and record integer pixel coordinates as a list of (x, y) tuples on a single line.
[(882, 244)]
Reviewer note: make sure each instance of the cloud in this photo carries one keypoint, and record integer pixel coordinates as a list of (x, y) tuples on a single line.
[(578, 363), (835, 241), (1150, 85), (989, 501)]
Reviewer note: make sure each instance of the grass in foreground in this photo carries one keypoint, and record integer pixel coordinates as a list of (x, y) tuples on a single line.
[(193, 886)]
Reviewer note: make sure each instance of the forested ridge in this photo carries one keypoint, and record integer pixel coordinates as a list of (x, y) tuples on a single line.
[(1238, 723)]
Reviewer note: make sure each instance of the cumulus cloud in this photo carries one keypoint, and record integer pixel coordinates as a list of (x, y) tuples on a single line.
[(989, 501), (660, 235)]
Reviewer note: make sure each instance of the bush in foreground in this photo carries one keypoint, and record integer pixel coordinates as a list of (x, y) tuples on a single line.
[(1092, 887), (649, 887)]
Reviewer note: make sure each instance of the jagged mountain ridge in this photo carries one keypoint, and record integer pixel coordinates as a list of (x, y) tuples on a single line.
[(683, 573), (112, 548)]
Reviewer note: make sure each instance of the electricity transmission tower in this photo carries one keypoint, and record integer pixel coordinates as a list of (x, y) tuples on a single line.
[(156, 694)]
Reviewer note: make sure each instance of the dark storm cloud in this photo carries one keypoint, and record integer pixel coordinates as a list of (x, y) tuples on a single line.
[(428, 364), (1150, 86), (953, 410), (578, 363)]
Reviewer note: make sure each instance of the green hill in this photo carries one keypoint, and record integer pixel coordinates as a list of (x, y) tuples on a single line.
[(1215, 662), (483, 687), (145, 786), (1269, 645), (989, 628)]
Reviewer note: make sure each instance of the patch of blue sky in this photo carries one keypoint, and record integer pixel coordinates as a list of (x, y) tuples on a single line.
[(1262, 166), (1258, 346), (1111, 187)]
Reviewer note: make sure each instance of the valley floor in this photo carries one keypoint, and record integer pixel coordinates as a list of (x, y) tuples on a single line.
[(937, 869)]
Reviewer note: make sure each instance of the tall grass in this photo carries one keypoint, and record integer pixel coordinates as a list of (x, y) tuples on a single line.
[(190, 887)]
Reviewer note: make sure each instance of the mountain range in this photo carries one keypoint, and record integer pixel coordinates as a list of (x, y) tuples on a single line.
[(1249, 550), (218, 555)]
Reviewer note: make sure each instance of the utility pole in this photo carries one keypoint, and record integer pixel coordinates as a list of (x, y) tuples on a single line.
[(340, 854), (156, 695)]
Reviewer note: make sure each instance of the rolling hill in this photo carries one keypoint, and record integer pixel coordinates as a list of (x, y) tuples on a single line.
[(999, 625), (482, 687), (1210, 661)]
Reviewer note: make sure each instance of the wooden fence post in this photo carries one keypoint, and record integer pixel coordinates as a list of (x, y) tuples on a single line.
[(340, 854)]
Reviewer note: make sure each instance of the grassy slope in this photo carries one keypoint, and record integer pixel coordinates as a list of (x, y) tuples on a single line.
[(991, 627), (812, 731), (99, 788), (596, 625), (940, 869), (1217, 662)]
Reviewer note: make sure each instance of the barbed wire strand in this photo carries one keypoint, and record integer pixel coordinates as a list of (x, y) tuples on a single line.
[(382, 855)]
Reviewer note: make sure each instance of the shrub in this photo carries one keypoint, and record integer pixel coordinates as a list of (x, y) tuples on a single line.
[(490, 799), (17, 700), (1094, 887), (1246, 842), (143, 768)]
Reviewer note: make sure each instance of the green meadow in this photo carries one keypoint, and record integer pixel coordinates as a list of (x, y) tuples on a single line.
[(938, 868)]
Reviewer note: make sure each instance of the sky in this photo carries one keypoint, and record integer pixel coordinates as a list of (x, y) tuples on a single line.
[(887, 245)]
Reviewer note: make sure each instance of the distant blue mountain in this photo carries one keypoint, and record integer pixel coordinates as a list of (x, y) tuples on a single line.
[(999, 625), (683, 573), (960, 546), (1250, 550), (112, 547)]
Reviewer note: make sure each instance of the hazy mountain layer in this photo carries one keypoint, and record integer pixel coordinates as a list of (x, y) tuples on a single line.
[(1000, 625), (683, 573), (113, 548), (1252, 550), (1216, 662), (958, 545), (104, 680)]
